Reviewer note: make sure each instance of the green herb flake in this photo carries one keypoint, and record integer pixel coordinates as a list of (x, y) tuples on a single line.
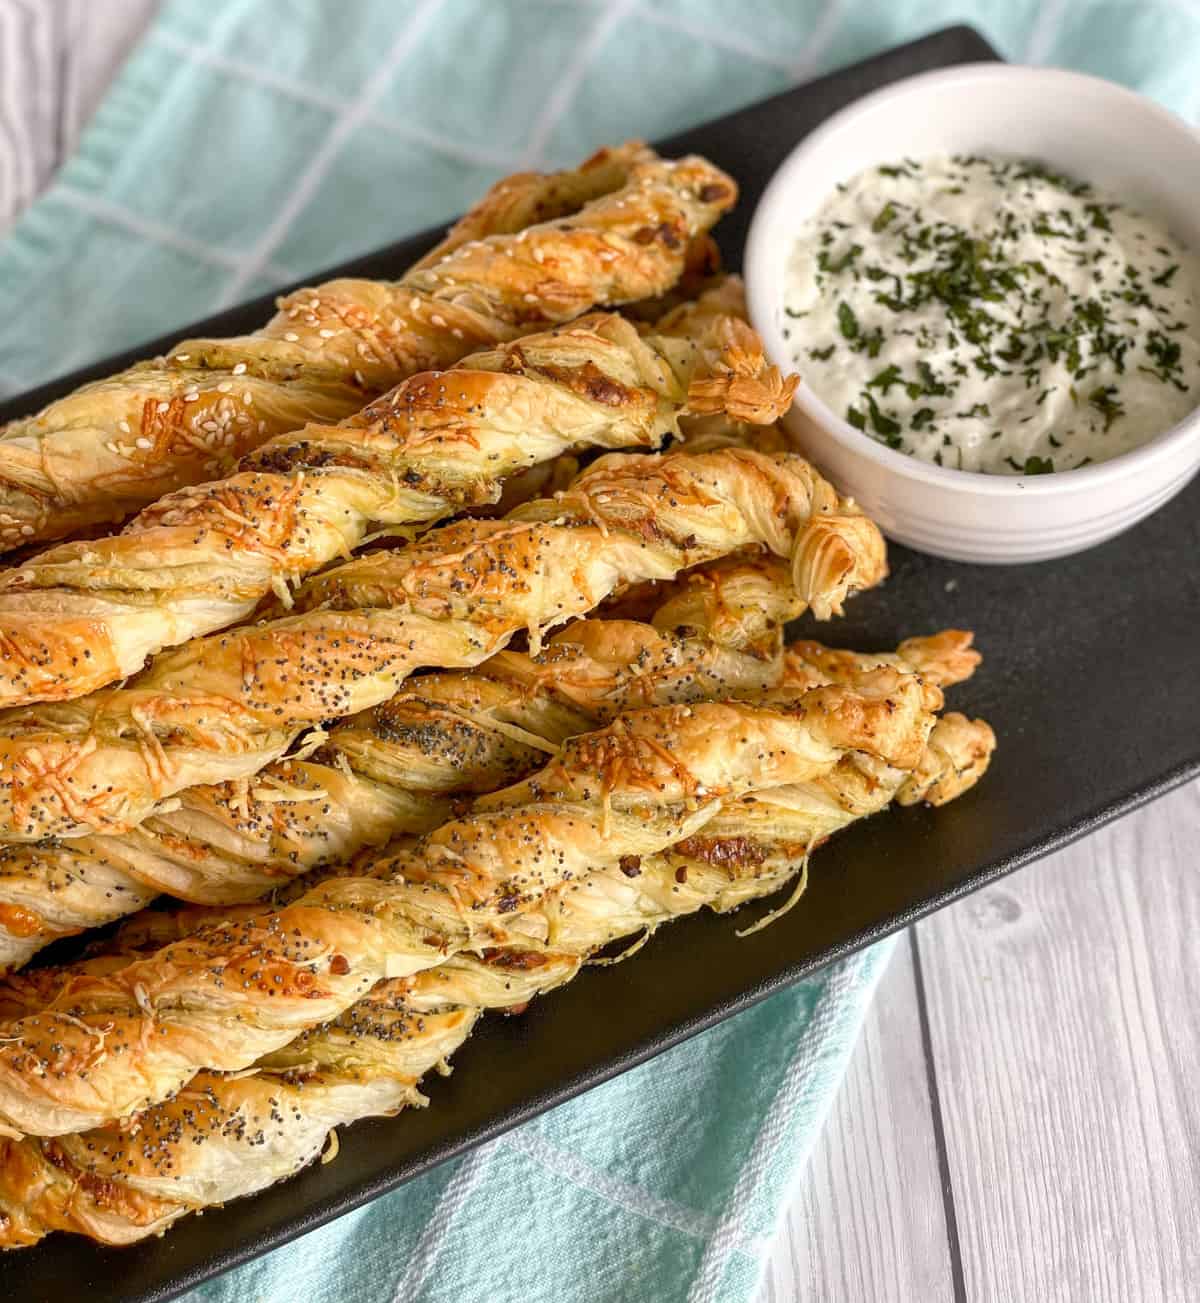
[(1104, 399), (885, 426), (885, 379), (844, 263), (885, 217)]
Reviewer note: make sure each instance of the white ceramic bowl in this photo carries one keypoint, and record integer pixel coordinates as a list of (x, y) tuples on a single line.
[(1087, 127)]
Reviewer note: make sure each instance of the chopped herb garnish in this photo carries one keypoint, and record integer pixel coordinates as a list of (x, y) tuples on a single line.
[(1104, 399), (1048, 289), (885, 379), (836, 266), (883, 424), (885, 217)]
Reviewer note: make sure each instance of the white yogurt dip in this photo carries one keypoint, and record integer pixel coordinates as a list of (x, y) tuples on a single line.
[(991, 315)]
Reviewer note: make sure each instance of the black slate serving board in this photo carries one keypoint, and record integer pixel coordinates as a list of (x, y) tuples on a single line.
[(1090, 681)]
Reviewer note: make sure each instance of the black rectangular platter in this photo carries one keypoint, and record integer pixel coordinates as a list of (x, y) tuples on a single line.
[(1090, 681)]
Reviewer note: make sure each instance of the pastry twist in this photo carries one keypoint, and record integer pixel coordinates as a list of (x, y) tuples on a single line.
[(235, 991), (398, 768), (86, 613), (616, 229), (222, 1138), (223, 707), (381, 773)]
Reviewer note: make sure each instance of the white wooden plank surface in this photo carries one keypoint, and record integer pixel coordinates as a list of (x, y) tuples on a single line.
[(869, 1221), (1062, 1008)]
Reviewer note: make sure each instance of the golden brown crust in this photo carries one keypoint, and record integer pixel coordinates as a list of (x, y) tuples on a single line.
[(384, 772), (111, 1044), (942, 659), (120, 1188), (118, 1185), (114, 445), (83, 614), (225, 706), (533, 198), (394, 769)]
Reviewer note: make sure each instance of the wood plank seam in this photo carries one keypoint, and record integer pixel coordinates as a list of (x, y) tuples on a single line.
[(939, 1127)]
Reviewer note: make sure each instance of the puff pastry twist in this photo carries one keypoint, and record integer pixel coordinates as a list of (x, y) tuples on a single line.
[(393, 769), (616, 229), (235, 991), (86, 613), (225, 706), (221, 1137), (398, 768)]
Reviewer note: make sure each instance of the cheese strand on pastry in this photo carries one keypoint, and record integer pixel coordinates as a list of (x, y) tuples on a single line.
[(616, 229), (225, 706), (223, 1138), (233, 992), (85, 613)]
